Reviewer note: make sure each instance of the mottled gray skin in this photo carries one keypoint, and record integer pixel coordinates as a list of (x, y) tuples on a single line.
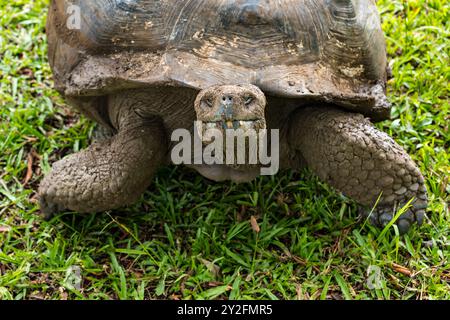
[(349, 153), (111, 172), (315, 69)]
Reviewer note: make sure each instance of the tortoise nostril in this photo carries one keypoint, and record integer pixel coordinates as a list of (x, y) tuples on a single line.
[(227, 99)]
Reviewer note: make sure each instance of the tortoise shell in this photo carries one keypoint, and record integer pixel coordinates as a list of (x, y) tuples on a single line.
[(326, 50)]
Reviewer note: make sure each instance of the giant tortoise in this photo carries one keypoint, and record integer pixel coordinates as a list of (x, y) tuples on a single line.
[(314, 69)]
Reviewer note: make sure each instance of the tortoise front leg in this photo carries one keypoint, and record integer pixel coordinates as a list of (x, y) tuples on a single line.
[(348, 152), (111, 173)]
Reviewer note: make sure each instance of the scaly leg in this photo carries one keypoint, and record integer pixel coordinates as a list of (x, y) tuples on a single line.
[(111, 173), (348, 152)]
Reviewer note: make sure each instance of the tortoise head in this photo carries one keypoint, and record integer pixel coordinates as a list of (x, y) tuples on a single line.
[(231, 107)]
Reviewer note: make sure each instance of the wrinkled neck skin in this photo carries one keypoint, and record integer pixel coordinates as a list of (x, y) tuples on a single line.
[(190, 115)]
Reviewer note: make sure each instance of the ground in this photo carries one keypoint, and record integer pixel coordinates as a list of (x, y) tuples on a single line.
[(188, 238)]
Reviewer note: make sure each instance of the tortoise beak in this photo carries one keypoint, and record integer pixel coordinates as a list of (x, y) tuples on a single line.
[(246, 127)]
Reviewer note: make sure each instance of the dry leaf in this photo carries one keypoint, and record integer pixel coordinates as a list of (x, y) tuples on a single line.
[(214, 284), (5, 228), (63, 294), (444, 185), (299, 260), (30, 139), (213, 268), (29, 174), (299, 292), (255, 225), (402, 269), (35, 154)]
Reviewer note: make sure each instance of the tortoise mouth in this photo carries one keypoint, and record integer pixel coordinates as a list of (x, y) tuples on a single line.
[(231, 124), (209, 130), (237, 141)]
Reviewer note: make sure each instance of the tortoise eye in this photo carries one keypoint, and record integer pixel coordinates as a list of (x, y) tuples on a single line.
[(208, 102), (248, 100)]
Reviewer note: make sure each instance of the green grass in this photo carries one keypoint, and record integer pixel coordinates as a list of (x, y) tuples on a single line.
[(192, 239)]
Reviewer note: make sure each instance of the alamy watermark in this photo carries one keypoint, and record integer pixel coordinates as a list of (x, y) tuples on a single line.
[(375, 278), (73, 278), (213, 146), (74, 17)]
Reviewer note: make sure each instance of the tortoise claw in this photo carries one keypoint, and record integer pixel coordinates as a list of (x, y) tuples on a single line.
[(48, 208), (381, 216)]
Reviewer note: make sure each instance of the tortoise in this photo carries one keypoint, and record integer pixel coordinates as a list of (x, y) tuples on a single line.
[(316, 70)]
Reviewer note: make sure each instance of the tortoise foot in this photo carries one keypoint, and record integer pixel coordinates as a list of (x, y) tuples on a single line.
[(383, 215)]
